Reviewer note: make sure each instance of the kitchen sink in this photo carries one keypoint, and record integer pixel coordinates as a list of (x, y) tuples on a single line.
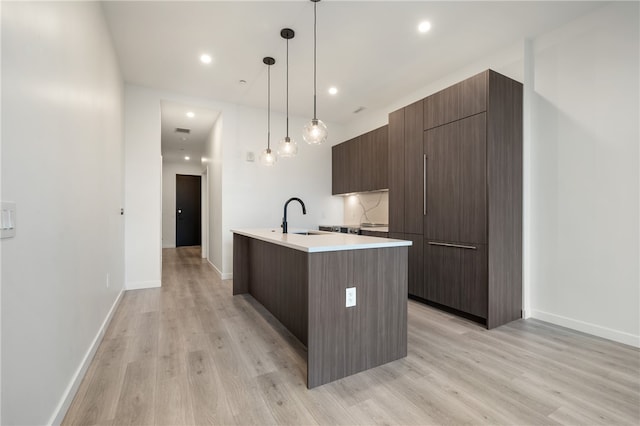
[(310, 233)]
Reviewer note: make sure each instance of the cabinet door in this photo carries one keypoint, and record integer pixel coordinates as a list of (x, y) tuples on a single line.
[(455, 162), (415, 261), (461, 100), (339, 169), (416, 266), (380, 147), (456, 276), (414, 169), (374, 164), (360, 158), (396, 171)]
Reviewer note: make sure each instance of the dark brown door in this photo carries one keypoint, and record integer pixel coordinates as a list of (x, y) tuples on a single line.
[(456, 181), (416, 281), (379, 163), (339, 169), (414, 172), (355, 173), (461, 100), (188, 211), (396, 171), (457, 276)]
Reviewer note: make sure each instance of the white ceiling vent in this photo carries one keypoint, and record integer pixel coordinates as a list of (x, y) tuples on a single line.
[(183, 130)]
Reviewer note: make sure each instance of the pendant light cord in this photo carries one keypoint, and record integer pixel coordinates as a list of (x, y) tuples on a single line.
[(287, 89), (269, 108), (315, 19)]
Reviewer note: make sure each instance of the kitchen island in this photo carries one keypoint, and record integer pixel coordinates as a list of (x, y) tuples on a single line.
[(302, 280)]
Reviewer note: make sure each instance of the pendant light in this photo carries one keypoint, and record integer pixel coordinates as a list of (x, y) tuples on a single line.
[(287, 147), (268, 157), (315, 131)]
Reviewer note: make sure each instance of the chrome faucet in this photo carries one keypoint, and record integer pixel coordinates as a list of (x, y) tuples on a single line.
[(284, 219)]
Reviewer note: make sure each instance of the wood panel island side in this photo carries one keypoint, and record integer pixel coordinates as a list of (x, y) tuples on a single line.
[(302, 281)]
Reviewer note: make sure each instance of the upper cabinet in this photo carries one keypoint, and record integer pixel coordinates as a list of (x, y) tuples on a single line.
[(361, 164), (461, 100)]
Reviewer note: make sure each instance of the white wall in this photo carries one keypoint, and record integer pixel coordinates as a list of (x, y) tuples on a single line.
[(584, 182), (169, 171), (254, 195), (213, 162), (143, 189), (242, 194), (62, 163)]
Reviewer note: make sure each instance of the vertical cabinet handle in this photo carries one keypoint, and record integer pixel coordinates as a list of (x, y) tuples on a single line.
[(424, 183)]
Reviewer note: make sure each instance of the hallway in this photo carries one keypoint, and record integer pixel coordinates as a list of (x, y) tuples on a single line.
[(191, 353)]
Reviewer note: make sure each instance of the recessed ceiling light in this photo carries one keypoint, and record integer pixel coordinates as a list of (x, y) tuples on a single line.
[(333, 90), (243, 81), (205, 59), (190, 114), (424, 26), (186, 158)]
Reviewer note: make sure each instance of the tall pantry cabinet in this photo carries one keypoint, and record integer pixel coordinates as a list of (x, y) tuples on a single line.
[(463, 178)]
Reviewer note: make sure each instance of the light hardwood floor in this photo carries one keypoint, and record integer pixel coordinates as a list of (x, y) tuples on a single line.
[(191, 353)]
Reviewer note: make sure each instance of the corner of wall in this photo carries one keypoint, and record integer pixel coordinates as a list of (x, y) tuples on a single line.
[(70, 392)]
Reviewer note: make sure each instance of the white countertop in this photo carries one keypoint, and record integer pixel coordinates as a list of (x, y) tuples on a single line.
[(321, 242)]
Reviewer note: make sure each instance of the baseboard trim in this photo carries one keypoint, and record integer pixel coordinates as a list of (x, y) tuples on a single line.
[(72, 388), (140, 285), (589, 328), (169, 246), (220, 275)]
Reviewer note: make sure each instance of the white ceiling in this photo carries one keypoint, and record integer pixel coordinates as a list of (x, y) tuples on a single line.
[(370, 50), (175, 146)]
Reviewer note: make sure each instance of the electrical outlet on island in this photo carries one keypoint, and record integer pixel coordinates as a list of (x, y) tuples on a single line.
[(351, 297)]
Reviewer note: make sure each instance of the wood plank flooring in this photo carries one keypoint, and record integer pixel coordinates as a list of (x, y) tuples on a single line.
[(191, 353)]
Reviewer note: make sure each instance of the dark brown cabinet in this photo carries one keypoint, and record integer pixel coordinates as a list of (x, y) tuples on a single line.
[(406, 173), (339, 168), (415, 262), (379, 146), (459, 197), (473, 210), (414, 169), (406, 177), (456, 276), (361, 164), (456, 180), (461, 100), (396, 171)]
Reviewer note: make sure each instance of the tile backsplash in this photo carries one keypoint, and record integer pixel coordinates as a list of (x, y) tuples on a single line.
[(372, 207)]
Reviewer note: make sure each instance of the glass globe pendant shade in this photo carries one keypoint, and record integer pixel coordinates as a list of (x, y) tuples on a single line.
[(287, 147), (314, 132), (268, 157)]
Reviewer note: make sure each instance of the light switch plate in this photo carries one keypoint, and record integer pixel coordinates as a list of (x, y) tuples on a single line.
[(351, 297), (7, 219)]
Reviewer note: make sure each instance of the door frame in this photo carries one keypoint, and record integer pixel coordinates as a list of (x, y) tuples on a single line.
[(204, 215), (197, 198)]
